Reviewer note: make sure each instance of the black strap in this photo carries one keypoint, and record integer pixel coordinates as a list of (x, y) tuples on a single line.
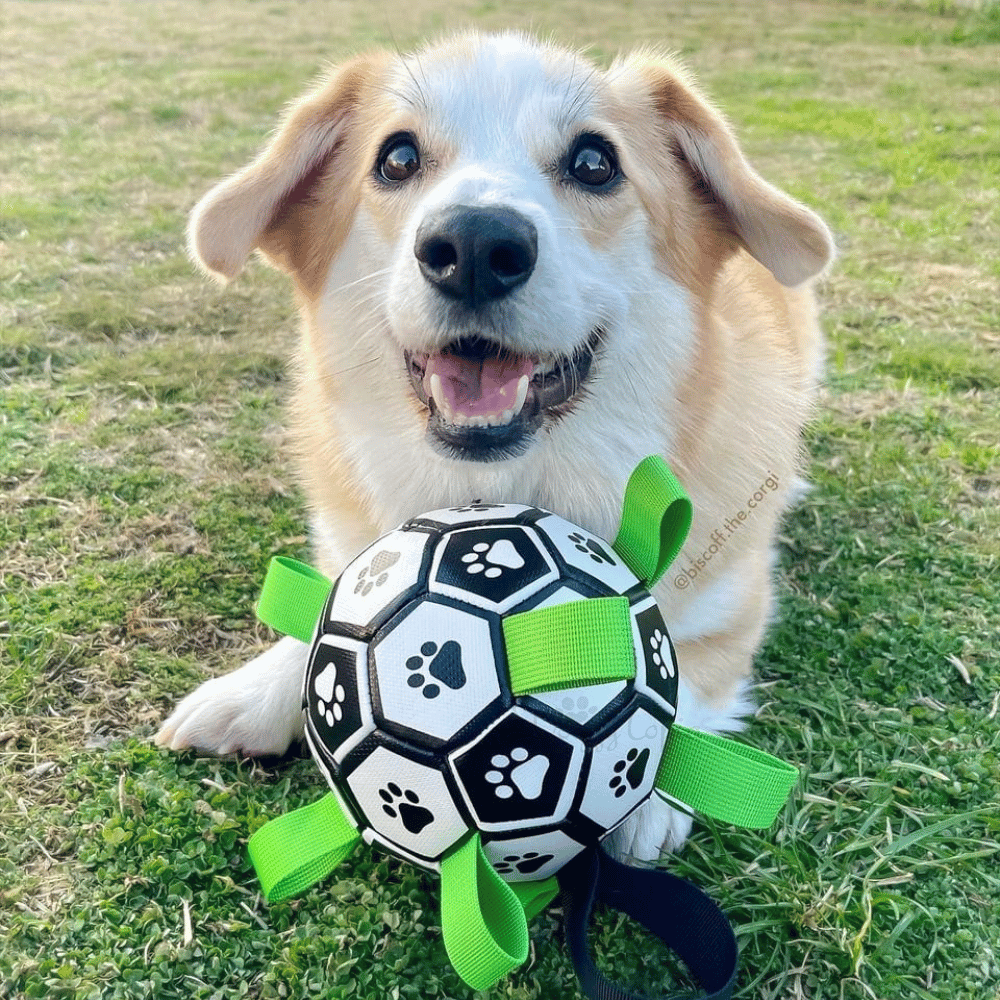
[(679, 913)]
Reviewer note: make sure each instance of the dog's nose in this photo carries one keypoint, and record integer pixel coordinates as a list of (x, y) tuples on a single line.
[(476, 255)]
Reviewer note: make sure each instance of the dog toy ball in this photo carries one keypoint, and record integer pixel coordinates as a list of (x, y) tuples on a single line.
[(491, 690)]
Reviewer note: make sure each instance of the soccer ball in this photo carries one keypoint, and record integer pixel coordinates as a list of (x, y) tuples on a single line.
[(408, 703)]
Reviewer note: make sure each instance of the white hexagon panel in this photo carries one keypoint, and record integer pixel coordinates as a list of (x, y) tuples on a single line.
[(523, 859), (588, 553), (656, 671), (520, 771), (495, 567), (623, 768), (406, 803), (478, 511), (434, 670), (384, 574), (336, 695)]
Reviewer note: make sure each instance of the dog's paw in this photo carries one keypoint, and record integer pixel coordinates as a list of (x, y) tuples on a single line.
[(256, 710), (656, 828)]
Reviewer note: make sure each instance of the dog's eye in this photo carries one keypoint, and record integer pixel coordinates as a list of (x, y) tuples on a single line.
[(592, 162), (399, 159)]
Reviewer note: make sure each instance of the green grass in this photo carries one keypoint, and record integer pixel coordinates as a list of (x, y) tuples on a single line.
[(144, 487)]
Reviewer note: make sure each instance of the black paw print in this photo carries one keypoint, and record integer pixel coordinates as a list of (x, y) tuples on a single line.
[(446, 667), (636, 764), (592, 548), (525, 864), (376, 572), (476, 507), (405, 806)]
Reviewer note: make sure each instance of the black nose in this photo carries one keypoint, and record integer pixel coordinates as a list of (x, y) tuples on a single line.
[(476, 255)]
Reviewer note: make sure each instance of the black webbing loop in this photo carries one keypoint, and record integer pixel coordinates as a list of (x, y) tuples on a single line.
[(683, 917)]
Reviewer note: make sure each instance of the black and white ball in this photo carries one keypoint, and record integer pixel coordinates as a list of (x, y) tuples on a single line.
[(408, 705)]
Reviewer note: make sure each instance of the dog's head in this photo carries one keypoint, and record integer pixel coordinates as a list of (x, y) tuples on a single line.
[(514, 239)]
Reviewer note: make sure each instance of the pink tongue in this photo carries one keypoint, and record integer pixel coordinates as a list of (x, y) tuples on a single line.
[(478, 387)]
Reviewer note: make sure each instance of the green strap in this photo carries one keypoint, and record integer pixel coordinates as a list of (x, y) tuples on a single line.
[(535, 896), (293, 598), (568, 645), (656, 517), (482, 920), (723, 779), (296, 850)]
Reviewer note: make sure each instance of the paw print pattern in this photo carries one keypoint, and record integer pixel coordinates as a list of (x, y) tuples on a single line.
[(524, 864), (446, 667), (499, 556), (521, 771), (330, 695), (405, 806), (635, 762), (593, 548), (376, 572), (476, 507), (577, 708), (662, 659)]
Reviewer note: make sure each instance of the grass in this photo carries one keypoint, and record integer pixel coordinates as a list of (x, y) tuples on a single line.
[(144, 488)]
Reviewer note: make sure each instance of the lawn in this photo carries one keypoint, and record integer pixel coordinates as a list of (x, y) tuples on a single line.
[(144, 487)]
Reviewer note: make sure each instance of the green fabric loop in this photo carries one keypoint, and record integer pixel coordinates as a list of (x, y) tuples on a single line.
[(535, 896), (482, 920), (656, 517), (723, 779), (296, 850), (582, 642), (293, 598)]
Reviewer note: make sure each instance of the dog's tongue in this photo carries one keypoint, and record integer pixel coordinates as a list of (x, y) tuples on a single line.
[(478, 387)]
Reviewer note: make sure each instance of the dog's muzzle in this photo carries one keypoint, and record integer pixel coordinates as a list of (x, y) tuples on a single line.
[(484, 400)]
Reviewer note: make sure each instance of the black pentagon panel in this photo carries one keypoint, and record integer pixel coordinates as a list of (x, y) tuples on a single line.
[(657, 670), (495, 567), (336, 697), (521, 771)]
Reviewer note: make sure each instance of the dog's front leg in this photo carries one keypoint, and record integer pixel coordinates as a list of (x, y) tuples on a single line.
[(256, 710)]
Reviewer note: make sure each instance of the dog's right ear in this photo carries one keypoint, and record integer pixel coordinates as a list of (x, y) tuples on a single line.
[(246, 212)]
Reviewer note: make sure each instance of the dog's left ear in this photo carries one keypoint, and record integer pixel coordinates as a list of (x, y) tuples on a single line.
[(790, 240)]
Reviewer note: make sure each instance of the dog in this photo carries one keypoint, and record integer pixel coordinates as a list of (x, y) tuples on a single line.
[(518, 276)]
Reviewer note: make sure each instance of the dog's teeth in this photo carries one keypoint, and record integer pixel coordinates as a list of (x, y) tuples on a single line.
[(437, 394), (522, 394), (506, 417), (458, 419)]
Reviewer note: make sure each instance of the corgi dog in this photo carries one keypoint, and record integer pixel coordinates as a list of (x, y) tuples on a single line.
[(519, 275)]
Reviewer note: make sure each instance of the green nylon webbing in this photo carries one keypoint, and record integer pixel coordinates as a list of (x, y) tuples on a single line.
[(535, 896), (725, 780), (293, 598), (293, 851), (581, 642), (656, 517), (483, 921)]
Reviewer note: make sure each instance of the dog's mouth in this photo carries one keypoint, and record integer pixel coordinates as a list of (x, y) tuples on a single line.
[(485, 402)]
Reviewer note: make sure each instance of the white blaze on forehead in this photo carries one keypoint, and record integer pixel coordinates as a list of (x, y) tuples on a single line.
[(481, 95)]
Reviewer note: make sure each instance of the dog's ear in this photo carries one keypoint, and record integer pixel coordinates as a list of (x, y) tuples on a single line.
[(251, 210), (789, 239)]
